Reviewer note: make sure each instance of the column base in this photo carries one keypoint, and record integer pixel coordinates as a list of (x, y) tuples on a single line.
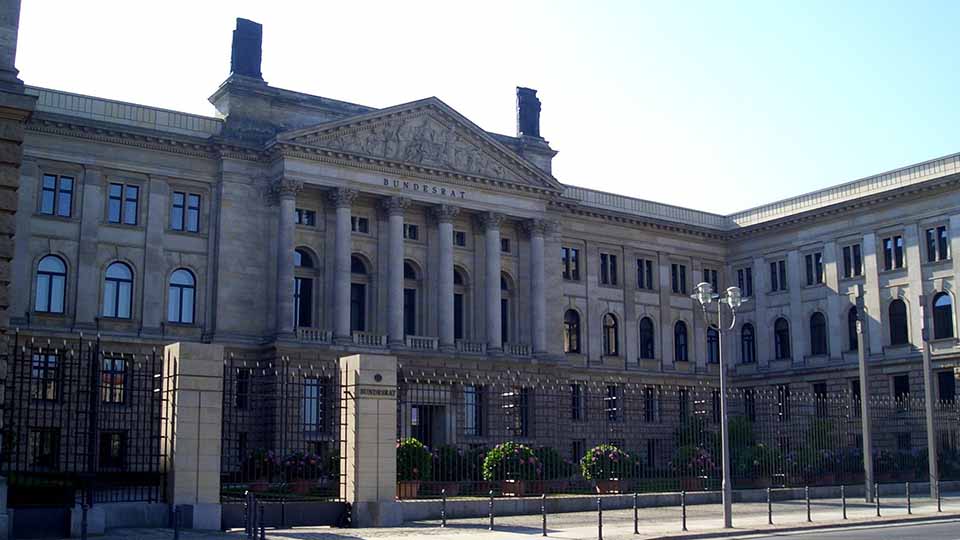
[(377, 514), (396, 343), (343, 340), (494, 351), (448, 348)]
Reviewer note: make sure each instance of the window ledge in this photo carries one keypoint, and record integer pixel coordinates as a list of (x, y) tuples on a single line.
[(55, 217)]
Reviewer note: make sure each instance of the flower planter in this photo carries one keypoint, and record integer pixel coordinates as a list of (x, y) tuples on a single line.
[(408, 489), (513, 488), (604, 487)]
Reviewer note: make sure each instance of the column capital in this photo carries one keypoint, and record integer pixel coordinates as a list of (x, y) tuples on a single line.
[(342, 197), (539, 227), (286, 187), (444, 213), (490, 221), (395, 205)]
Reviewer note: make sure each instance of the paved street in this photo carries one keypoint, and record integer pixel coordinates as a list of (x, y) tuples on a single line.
[(942, 530)]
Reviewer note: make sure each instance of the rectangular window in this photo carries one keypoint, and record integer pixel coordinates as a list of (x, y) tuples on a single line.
[(473, 411), (611, 403), (938, 247), (411, 231), (820, 398), (315, 404), (710, 276), (45, 373), (112, 380), (505, 245), (893, 253), (715, 406), (56, 195), (578, 406), (44, 448), (855, 396), (946, 387), (650, 405), (852, 261), (783, 402), (678, 278), (185, 212), (123, 204), (901, 387), (645, 274), (750, 404), (571, 263), (519, 404), (778, 276), (814, 263), (360, 224), (459, 238), (242, 397), (745, 281), (683, 396), (608, 269), (307, 218), (113, 449), (193, 213)]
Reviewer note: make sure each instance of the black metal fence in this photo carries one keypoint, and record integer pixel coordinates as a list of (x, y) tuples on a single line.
[(516, 435), (282, 423), (81, 424)]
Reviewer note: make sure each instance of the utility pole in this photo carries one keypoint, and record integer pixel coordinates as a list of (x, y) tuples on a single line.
[(928, 401), (864, 401)]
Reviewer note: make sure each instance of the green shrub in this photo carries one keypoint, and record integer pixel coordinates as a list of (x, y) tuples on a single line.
[(450, 464), (413, 461), (606, 462), (511, 461), (555, 466)]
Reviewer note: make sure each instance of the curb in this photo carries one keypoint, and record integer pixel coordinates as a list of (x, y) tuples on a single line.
[(722, 533)]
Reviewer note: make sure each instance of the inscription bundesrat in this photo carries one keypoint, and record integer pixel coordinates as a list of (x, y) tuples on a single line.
[(365, 391), (430, 189)]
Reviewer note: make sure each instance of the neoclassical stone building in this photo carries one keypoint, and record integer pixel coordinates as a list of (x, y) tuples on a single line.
[(294, 225)]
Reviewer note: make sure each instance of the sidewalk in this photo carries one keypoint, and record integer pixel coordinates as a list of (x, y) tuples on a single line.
[(617, 524)]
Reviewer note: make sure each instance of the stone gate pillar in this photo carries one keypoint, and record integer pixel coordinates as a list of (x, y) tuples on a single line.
[(369, 416), (193, 401)]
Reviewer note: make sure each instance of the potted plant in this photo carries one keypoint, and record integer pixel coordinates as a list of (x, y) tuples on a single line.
[(258, 468), (513, 465), (413, 467), (450, 467), (606, 465), (694, 465), (302, 469), (556, 471)]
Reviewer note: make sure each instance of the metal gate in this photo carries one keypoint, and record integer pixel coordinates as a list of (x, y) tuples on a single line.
[(81, 426), (283, 442)]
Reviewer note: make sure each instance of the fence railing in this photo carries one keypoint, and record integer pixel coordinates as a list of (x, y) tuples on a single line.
[(471, 347), (423, 343), (369, 339), (313, 335)]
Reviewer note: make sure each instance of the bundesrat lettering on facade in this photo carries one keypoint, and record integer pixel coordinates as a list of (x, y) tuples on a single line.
[(404, 185)]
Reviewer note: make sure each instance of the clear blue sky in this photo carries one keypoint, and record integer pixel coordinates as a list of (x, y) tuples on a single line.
[(713, 105)]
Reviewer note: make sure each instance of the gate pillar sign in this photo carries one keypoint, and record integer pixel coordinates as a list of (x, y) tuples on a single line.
[(193, 384), (369, 423)]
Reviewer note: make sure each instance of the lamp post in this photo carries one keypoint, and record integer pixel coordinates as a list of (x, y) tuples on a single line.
[(732, 299)]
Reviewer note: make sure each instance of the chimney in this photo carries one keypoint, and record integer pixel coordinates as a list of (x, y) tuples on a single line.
[(528, 113), (246, 49)]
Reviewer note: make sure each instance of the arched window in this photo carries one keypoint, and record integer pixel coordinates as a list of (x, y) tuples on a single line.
[(713, 346), (51, 285), (302, 289), (748, 344), (181, 296), (680, 348), (506, 303), (610, 335), (942, 316), (411, 286), (460, 292), (358, 294), (818, 334), (646, 339), (781, 339), (118, 291), (852, 328), (571, 331), (357, 266), (897, 313)]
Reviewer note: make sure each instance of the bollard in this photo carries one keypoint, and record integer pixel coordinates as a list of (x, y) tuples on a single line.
[(543, 511), (636, 520), (176, 523), (83, 522), (491, 510), (246, 513), (909, 504), (283, 512), (843, 500), (939, 498), (683, 510), (806, 495), (876, 496), (599, 518), (769, 506), (263, 524), (443, 508)]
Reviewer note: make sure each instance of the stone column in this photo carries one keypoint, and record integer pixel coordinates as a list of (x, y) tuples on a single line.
[(369, 397), (538, 300), (193, 382), (394, 207), (444, 215), (342, 200), (490, 222), (286, 191)]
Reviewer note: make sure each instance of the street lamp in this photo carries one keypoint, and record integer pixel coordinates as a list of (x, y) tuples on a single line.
[(732, 299)]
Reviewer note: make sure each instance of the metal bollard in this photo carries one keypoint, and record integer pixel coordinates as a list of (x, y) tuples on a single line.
[(909, 504), (443, 508), (876, 496), (283, 512), (806, 495), (769, 506), (636, 516), (543, 512), (263, 524), (599, 518), (843, 500), (83, 522), (491, 510), (939, 498), (176, 523), (683, 510), (246, 513)]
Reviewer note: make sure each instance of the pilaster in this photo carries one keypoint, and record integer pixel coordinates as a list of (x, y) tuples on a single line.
[(911, 244), (799, 324), (836, 320), (871, 295), (762, 325)]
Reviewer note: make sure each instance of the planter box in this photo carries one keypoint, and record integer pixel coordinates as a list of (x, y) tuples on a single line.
[(408, 489), (513, 488), (605, 487)]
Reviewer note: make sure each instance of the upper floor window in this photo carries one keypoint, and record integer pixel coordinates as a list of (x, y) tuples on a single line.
[(411, 231), (608, 269), (680, 348), (185, 212), (571, 263), (938, 245), (181, 296), (51, 285), (781, 339), (459, 238), (818, 334), (112, 379), (745, 281), (610, 335), (473, 410), (315, 396), (124, 202), (645, 274), (893, 252), (360, 224), (571, 331), (942, 316), (646, 339), (56, 195), (710, 276), (814, 263), (45, 372), (778, 276), (307, 218), (505, 245), (852, 261), (678, 278), (748, 345), (118, 291), (713, 346), (897, 317)]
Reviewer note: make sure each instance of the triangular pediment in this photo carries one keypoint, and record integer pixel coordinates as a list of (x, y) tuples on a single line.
[(427, 134)]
